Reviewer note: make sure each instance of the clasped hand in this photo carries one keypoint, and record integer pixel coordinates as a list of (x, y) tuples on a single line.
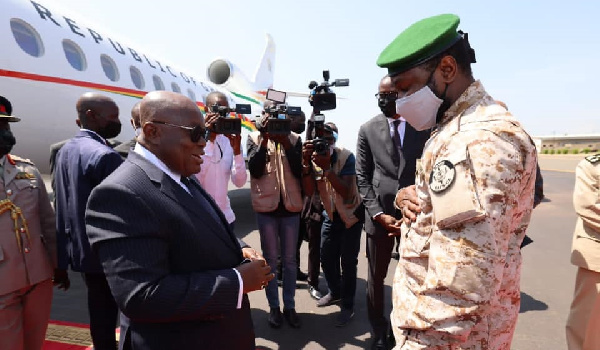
[(256, 274)]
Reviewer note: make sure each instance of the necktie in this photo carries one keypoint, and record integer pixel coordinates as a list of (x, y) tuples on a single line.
[(200, 198), (396, 138)]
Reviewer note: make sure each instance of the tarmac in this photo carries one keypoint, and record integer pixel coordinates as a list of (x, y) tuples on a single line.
[(547, 279)]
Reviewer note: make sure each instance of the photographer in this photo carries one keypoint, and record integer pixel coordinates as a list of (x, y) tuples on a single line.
[(274, 161), (333, 173), (222, 160)]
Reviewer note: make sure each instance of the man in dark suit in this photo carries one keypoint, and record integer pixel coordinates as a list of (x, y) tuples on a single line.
[(81, 164), (124, 148), (173, 264), (386, 155)]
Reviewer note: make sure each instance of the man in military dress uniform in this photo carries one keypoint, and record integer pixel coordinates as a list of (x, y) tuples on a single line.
[(27, 246), (456, 285), (583, 324)]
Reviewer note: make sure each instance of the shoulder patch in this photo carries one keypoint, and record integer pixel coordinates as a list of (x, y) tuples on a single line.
[(442, 176), (593, 159)]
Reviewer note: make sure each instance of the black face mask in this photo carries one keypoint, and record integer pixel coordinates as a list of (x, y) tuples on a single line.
[(387, 105), (110, 130), (7, 141)]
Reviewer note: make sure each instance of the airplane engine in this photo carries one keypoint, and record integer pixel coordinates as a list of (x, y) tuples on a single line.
[(225, 74)]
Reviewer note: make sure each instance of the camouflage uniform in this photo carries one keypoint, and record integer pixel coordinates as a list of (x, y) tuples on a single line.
[(457, 283)]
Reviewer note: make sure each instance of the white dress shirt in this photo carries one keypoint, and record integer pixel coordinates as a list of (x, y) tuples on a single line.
[(149, 156), (401, 128), (218, 166)]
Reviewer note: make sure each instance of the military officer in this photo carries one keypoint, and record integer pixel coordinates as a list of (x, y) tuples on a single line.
[(27, 247), (584, 319), (456, 285)]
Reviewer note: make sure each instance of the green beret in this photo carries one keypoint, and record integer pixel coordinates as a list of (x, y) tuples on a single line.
[(420, 42)]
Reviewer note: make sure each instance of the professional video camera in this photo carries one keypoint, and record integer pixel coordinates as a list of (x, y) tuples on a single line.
[(227, 124), (322, 98), (278, 122)]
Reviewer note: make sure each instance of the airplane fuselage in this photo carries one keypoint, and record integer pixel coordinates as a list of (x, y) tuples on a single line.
[(49, 60)]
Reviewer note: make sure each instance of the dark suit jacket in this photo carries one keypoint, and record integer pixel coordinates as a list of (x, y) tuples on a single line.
[(168, 262), (81, 164), (380, 172)]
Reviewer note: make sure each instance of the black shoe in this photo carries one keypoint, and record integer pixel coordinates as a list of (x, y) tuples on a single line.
[(275, 318), (301, 276), (344, 317), (314, 293), (379, 343), (292, 317), (327, 300)]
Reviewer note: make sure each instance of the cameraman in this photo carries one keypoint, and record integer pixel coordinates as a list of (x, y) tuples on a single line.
[(333, 173), (222, 160), (274, 161)]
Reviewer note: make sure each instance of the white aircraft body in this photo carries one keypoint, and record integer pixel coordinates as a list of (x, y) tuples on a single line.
[(49, 60)]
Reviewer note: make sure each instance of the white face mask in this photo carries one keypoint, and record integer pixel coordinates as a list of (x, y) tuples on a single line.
[(420, 108)]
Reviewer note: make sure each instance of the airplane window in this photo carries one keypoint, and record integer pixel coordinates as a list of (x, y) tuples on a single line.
[(136, 77), (74, 55), (110, 68), (158, 83), (28, 38), (175, 87), (191, 95)]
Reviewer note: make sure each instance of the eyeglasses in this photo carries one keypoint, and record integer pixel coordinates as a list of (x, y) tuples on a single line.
[(385, 95), (196, 132)]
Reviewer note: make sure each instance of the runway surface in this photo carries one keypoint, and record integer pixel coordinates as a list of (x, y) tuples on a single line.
[(546, 283)]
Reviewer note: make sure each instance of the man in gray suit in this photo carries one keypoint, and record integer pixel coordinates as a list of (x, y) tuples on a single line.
[(174, 266), (386, 155)]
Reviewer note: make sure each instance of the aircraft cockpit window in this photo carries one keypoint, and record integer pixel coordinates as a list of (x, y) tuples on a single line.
[(110, 68), (191, 95), (158, 83), (175, 87), (137, 77), (74, 55), (28, 38)]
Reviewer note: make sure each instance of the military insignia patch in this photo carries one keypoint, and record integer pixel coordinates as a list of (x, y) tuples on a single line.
[(593, 159), (442, 176), (24, 175)]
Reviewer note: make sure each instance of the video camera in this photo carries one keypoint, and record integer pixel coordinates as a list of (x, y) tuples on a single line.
[(226, 124), (278, 122), (322, 98)]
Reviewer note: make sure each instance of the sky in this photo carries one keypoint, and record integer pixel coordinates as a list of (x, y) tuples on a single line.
[(539, 57)]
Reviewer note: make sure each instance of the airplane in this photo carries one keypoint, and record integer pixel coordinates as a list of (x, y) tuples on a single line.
[(49, 60)]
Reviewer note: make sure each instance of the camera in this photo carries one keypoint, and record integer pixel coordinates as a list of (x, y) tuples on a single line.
[(321, 97), (321, 146), (278, 123), (226, 124)]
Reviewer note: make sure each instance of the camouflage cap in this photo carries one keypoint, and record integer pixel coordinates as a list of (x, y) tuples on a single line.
[(420, 42), (6, 110)]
